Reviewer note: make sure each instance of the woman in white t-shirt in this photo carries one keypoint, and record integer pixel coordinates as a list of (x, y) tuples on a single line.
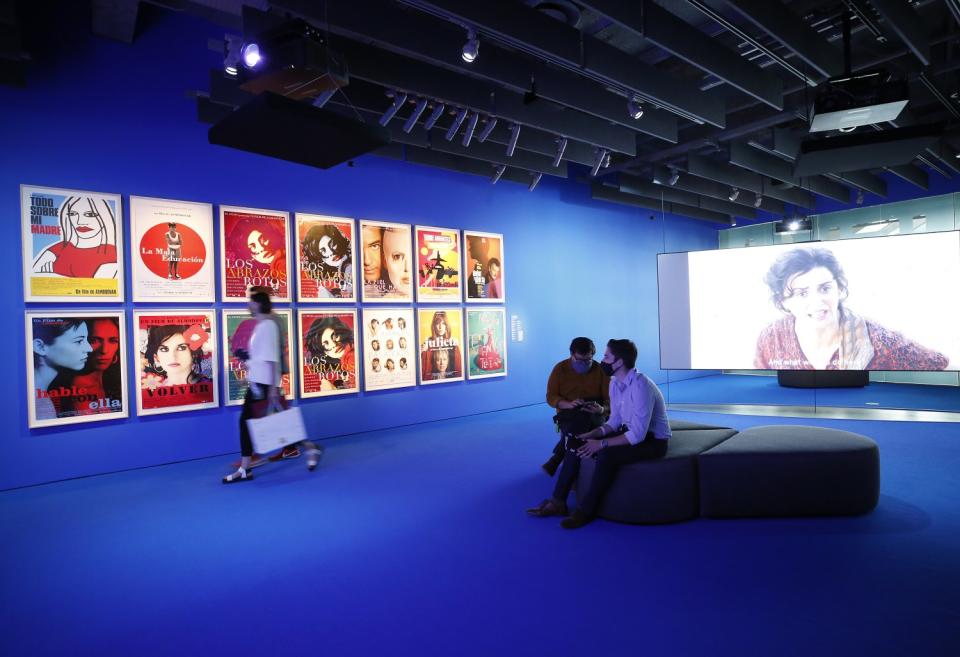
[(263, 362)]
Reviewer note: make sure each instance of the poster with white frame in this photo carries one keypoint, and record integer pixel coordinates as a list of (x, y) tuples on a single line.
[(72, 248), (484, 267), (176, 356), (389, 348), (386, 262), (235, 370), (439, 272), (440, 348), (76, 367), (254, 253), (171, 250), (328, 357), (326, 255), (486, 343)]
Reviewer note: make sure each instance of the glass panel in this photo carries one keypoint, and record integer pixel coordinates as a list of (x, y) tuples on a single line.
[(851, 224)]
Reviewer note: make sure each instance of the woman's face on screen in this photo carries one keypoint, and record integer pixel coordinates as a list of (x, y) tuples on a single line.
[(813, 297)]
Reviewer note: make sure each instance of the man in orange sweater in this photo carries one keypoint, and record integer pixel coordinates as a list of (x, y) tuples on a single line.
[(580, 392)]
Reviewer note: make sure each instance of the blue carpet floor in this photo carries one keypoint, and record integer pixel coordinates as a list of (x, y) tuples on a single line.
[(414, 542), (744, 389)]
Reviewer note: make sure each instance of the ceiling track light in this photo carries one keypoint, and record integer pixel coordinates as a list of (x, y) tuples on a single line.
[(434, 116), (496, 174), (487, 129), (859, 197), (601, 157), (734, 193), (250, 55), (674, 177), (472, 47), (514, 135), (634, 108), (415, 115), (849, 128), (471, 126), (535, 181), (232, 45), (758, 201), (457, 122), (398, 100), (561, 148)]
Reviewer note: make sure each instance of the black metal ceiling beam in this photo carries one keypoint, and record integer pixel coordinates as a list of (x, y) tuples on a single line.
[(681, 39), (391, 70), (640, 187), (529, 30), (913, 175), (412, 154), (601, 192), (393, 28), (704, 187), (907, 25), (774, 18), (744, 156), (115, 19), (744, 180)]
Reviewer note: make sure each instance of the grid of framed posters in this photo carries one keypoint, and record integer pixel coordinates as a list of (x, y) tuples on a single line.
[(171, 246), (389, 348), (234, 369), (386, 262), (176, 360), (438, 264), (440, 338), (72, 242), (328, 362), (486, 343), (484, 267), (78, 371), (326, 252), (253, 251)]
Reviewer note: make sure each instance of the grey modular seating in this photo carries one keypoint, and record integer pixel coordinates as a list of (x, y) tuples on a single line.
[(663, 490), (790, 470)]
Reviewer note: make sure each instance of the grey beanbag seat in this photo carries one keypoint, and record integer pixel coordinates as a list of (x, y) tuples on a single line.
[(790, 470)]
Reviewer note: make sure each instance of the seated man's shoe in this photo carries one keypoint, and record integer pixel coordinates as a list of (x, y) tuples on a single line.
[(550, 467), (548, 508), (576, 520)]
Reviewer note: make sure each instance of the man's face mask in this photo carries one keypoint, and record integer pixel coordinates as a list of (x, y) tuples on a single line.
[(608, 368)]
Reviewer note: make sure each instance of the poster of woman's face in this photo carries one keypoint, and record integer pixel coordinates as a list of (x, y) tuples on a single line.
[(171, 250), (235, 368), (328, 361), (484, 264), (325, 259), (391, 342), (76, 369), (70, 245), (177, 361), (386, 262), (253, 253), (440, 339)]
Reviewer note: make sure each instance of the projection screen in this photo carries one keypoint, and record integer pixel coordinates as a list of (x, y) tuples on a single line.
[(884, 303)]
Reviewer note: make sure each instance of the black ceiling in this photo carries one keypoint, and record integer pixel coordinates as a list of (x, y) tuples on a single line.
[(726, 86)]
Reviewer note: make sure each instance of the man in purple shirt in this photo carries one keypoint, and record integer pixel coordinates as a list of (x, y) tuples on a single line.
[(637, 430)]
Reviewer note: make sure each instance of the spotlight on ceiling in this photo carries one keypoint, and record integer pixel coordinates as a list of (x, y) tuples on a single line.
[(758, 201), (487, 129), (733, 221), (398, 100), (251, 55), (324, 96), (734, 193), (415, 115), (634, 108), (601, 157), (496, 174), (434, 116), (793, 225), (472, 47), (849, 128), (561, 147), (514, 135), (457, 122), (232, 45), (535, 181), (859, 197), (471, 126), (674, 177)]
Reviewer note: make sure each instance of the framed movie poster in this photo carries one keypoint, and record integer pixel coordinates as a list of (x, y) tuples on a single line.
[(440, 336), (438, 264), (326, 251), (171, 250), (76, 367), (253, 252), (328, 361), (235, 370), (486, 343), (176, 360), (386, 262), (389, 348), (71, 245), (484, 267)]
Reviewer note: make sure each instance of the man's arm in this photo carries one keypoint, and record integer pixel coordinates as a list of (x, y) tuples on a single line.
[(553, 392)]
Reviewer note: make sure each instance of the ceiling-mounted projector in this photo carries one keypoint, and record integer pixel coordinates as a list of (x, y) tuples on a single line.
[(851, 101)]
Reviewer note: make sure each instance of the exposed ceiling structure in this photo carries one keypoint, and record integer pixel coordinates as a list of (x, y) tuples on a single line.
[(722, 91)]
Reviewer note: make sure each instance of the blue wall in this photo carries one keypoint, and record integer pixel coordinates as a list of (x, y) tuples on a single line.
[(105, 116)]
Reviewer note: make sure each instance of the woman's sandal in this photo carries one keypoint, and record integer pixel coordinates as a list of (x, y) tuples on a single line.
[(239, 475), (313, 457)]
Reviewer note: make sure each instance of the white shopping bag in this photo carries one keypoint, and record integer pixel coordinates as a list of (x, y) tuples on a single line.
[(277, 430)]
